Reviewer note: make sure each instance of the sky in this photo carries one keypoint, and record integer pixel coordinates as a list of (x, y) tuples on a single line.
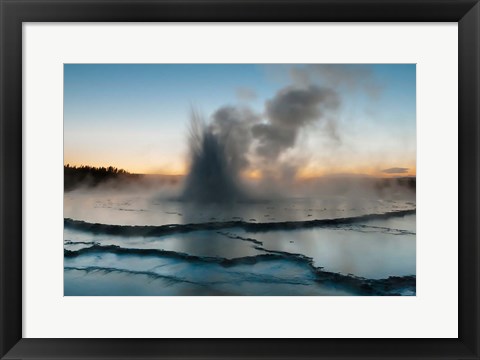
[(137, 116)]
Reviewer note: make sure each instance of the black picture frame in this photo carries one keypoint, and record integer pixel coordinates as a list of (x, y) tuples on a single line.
[(14, 12)]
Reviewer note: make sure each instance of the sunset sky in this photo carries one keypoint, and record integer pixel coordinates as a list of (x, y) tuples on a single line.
[(136, 117)]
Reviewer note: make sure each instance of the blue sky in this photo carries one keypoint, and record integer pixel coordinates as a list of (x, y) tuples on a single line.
[(136, 116)]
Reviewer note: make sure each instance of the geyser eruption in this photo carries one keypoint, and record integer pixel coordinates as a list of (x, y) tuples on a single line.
[(214, 175), (220, 150)]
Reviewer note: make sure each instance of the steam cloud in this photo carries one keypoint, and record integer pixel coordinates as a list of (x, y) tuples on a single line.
[(350, 77), (236, 139), (221, 149), (288, 112)]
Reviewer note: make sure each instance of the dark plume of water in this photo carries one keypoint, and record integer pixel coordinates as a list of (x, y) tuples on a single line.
[(214, 173)]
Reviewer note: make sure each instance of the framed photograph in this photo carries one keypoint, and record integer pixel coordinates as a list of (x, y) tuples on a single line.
[(239, 179), (238, 202)]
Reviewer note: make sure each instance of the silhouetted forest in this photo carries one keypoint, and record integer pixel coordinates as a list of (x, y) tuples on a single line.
[(408, 182), (90, 176)]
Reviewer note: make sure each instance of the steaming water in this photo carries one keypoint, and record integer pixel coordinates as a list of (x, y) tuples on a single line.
[(366, 257)]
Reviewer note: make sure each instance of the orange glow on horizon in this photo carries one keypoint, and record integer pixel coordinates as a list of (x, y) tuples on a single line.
[(256, 174), (309, 173)]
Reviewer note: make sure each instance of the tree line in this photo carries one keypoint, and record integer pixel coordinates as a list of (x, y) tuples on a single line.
[(90, 176)]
